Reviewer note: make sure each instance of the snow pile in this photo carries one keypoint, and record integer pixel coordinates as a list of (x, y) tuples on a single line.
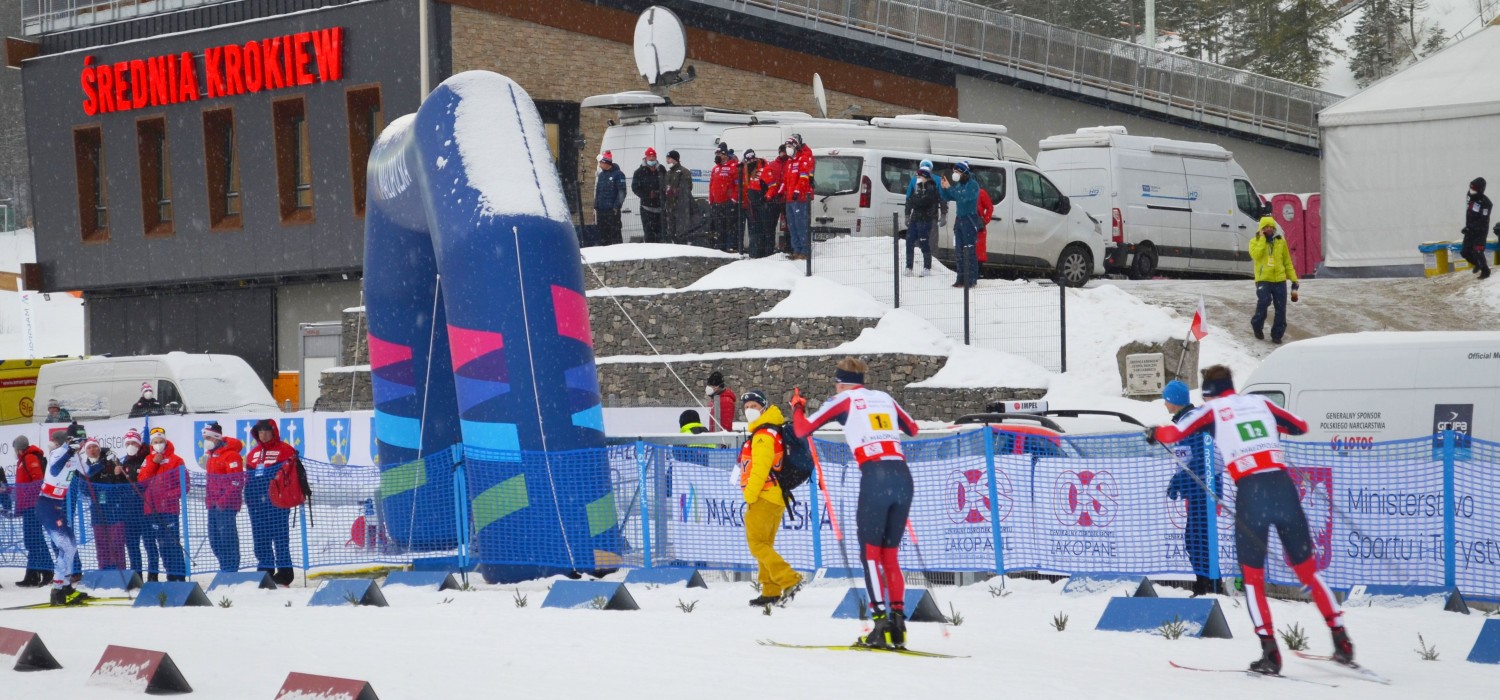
[(504, 148), (899, 331), (647, 251), (299, 695), (775, 272), (970, 367), (814, 297)]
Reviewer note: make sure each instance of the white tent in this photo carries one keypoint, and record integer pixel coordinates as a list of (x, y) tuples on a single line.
[(1398, 157)]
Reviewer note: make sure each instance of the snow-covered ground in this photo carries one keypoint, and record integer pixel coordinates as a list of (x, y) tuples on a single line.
[(430, 645)]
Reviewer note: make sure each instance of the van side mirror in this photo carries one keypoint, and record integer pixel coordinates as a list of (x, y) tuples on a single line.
[(1064, 205), (1265, 209)]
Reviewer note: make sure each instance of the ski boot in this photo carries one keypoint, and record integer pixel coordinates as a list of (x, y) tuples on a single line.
[(1343, 649), (896, 629), (67, 595), (763, 600), (1269, 662), (880, 634)]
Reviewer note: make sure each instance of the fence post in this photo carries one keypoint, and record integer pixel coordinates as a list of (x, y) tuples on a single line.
[(1211, 471), (961, 264), (809, 241), (989, 461), (460, 509), (896, 258), (640, 463), (306, 551), (815, 517), (187, 548), (1062, 325), (1450, 559)]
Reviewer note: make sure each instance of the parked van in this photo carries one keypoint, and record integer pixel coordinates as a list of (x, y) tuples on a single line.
[(1172, 205), (646, 120), (914, 133), (1355, 389), (857, 191), (106, 387)]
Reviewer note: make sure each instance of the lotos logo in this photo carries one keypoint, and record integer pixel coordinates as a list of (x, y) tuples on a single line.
[(338, 435), (1086, 498), (1352, 442), (970, 502)]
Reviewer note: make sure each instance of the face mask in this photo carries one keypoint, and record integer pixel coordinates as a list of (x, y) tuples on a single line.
[(132, 449), (1473, 191), (708, 391), (209, 445), (158, 447), (148, 396), (958, 177), (752, 414)]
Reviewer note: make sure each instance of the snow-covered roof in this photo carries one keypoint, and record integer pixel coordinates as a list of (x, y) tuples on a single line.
[(1454, 83)]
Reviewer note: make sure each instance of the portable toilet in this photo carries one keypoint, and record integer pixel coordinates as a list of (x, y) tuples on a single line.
[(1286, 208), (1312, 230)]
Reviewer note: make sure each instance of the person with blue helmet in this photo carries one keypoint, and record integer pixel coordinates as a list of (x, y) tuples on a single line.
[(1188, 485), (964, 193)]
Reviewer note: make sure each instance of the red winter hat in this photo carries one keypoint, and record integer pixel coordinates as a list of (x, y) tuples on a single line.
[(650, 154), (133, 435), (607, 157), (145, 387)]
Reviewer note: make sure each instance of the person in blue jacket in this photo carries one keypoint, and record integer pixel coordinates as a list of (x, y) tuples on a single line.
[(1187, 485), (964, 193), (609, 198)]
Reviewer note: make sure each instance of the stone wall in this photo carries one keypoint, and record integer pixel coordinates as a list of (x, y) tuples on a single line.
[(355, 338), (335, 387), (663, 272)]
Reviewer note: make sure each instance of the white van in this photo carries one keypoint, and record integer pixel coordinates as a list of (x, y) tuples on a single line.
[(1033, 227), (646, 120), (1172, 205), (913, 133), (1355, 389), (98, 388)]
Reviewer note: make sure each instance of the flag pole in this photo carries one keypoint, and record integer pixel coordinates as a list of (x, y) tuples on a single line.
[(1183, 354)]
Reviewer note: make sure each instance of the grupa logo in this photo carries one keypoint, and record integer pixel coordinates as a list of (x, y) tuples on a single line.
[(1086, 498)]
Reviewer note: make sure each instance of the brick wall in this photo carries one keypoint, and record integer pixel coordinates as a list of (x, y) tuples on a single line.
[(556, 64)]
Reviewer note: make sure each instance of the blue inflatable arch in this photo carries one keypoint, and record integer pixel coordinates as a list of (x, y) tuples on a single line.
[(479, 334)]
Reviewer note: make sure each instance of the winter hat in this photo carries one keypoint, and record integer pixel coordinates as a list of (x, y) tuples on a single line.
[(926, 165), (263, 424), (212, 430), (20, 443), (961, 166), (688, 417), (755, 395), (715, 379), (749, 154), (672, 155), (925, 170), (1266, 222), (1176, 393), (1478, 184), (724, 148), (146, 386), (606, 157), (52, 403), (158, 432), (133, 435), (90, 443), (796, 139), (650, 154)]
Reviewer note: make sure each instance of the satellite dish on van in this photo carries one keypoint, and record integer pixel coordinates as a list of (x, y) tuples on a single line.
[(660, 48), (820, 96)]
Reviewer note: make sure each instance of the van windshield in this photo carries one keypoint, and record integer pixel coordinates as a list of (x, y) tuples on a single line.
[(217, 394), (835, 174)]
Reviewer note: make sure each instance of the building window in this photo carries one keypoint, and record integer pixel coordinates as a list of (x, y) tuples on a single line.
[(222, 160), (293, 161), (156, 176), (366, 121), (93, 196)]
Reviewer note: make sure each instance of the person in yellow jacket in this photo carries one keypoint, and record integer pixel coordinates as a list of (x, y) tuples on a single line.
[(760, 460), (1273, 268)]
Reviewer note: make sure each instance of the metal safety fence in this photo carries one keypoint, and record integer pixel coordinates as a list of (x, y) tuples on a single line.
[(1410, 512), (1021, 317)]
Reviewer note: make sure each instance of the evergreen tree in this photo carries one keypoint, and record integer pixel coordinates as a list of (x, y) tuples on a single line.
[(1377, 44)]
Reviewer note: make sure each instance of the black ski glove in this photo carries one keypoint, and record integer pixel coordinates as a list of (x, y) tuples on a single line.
[(1150, 436)]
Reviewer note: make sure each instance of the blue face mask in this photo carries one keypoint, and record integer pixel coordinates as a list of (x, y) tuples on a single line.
[(650, 163)]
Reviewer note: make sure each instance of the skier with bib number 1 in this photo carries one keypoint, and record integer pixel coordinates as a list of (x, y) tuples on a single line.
[(873, 423), (1245, 429)]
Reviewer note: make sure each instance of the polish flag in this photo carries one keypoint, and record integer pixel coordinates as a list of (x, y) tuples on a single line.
[(1199, 327)]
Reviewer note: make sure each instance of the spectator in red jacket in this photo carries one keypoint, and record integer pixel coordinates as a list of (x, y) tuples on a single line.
[(798, 182), (226, 487), (772, 177), (986, 210), (163, 477), (31, 466), (270, 526), (723, 193), (720, 403)]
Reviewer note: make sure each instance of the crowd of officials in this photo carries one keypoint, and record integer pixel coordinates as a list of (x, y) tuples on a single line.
[(134, 500)]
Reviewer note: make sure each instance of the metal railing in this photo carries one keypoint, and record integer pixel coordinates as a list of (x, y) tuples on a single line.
[(46, 16), (1032, 50)]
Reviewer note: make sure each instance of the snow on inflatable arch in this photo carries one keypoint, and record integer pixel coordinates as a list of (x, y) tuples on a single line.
[(479, 334)]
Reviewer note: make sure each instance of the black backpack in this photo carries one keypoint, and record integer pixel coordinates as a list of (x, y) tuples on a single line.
[(796, 460)]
